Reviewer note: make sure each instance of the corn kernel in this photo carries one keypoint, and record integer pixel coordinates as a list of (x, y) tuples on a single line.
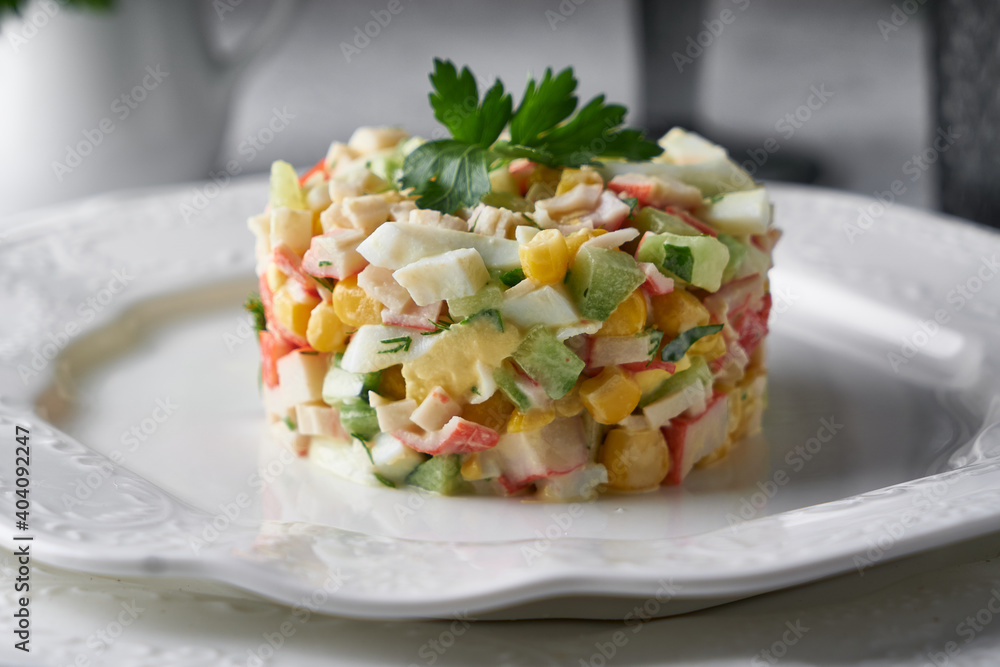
[(611, 396), (530, 420), (628, 319), (677, 311), (578, 238), (569, 405), (275, 277), (472, 469), (354, 306), (573, 177), (292, 313), (492, 413), (711, 347), (546, 257), (392, 385), (636, 460), (326, 332)]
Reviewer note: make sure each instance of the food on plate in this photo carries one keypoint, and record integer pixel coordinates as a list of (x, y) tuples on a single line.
[(546, 302)]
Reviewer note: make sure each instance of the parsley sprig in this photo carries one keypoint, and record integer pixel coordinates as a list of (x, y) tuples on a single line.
[(448, 174)]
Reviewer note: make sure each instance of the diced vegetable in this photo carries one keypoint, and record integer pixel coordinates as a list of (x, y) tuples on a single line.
[(340, 384), (679, 346), (655, 221), (611, 396), (628, 319), (490, 297), (441, 474), (548, 362), (272, 349), (358, 418), (601, 279), (354, 306), (698, 371), (737, 255), (557, 448), (545, 257), (697, 260), (636, 460), (747, 212)]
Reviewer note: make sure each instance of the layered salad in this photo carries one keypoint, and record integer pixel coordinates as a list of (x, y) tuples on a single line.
[(545, 303)]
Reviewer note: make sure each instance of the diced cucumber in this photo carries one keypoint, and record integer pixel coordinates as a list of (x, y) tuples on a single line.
[(491, 315), (654, 220), (737, 254), (440, 474), (697, 260), (508, 383), (358, 418), (601, 279), (547, 361), (699, 370), (489, 297), (340, 384)]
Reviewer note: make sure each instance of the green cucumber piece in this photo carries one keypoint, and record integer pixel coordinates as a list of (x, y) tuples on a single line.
[(696, 260), (358, 418), (507, 382), (489, 297), (699, 371), (654, 220), (601, 279), (545, 359), (737, 255), (440, 474), (339, 384)]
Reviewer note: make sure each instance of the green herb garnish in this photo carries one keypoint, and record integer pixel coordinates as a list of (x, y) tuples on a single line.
[(512, 277), (401, 344), (385, 480), (255, 307), (328, 283), (451, 173), (441, 325), (364, 443), (289, 423), (678, 347)]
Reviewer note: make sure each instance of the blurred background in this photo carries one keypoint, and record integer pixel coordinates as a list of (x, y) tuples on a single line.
[(888, 99)]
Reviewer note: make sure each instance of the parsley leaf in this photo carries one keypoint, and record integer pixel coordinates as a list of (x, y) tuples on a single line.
[(543, 106), (449, 174), (456, 105)]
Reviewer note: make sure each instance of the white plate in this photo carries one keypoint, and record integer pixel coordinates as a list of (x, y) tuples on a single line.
[(866, 457)]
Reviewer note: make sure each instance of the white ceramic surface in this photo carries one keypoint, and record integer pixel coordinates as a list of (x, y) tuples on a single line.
[(912, 462)]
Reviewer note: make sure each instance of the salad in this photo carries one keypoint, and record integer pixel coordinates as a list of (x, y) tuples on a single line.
[(544, 303)]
